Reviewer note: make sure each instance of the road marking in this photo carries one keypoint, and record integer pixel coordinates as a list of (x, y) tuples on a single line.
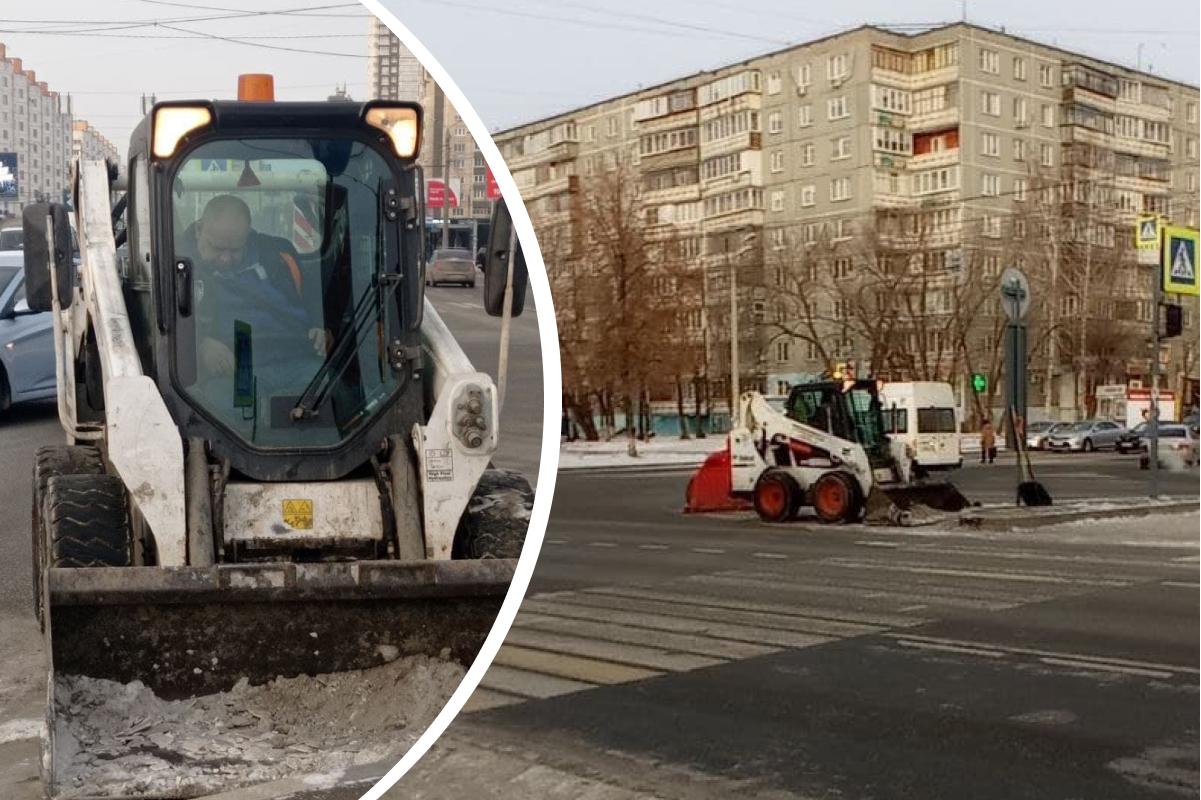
[(627, 654), (1187, 559), (705, 645), (529, 684), (1101, 667), (574, 668), (769, 555), (739, 632), (803, 585), (1058, 655), (917, 607), (725, 610), (876, 543), (652, 547), (950, 648), (1019, 577), (713, 551), (602, 544), (556, 541), (1181, 584)]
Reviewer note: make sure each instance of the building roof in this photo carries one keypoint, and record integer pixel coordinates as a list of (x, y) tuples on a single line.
[(878, 28)]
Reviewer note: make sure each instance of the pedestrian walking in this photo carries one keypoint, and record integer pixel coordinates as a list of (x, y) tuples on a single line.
[(988, 443)]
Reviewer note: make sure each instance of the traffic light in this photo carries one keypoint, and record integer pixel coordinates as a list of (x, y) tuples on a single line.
[(979, 382), (1173, 321)]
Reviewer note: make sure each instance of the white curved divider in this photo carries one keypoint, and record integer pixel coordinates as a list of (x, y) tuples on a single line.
[(551, 407)]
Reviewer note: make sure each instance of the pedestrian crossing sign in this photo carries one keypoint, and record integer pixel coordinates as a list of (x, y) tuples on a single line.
[(1146, 232), (1180, 261)]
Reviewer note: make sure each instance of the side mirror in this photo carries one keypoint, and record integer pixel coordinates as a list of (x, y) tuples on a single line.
[(497, 259), (47, 229)]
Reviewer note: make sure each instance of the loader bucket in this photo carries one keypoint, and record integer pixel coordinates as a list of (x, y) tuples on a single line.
[(190, 632), (917, 504), (709, 488)]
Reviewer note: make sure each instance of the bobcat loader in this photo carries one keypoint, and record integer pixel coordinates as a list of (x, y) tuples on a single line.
[(278, 458), (827, 450)]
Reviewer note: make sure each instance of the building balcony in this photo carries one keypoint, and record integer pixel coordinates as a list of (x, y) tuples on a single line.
[(1140, 147), (674, 194), (567, 183), (933, 120), (1079, 133), (1143, 185), (734, 220), (1144, 110), (735, 180), (915, 80), (747, 140), (1088, 97), (941, 158), (883, 198), (667, 122), (684, 157), (560, 151)]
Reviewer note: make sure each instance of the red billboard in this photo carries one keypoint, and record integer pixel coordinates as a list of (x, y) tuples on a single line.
[(493, 189), (436, 193)]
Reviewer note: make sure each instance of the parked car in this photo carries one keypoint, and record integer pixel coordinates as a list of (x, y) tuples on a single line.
[(451, 266), (1131, 440), (27, 370), (12, 236), (1086, 436), (1174, 440), (1037, 433)]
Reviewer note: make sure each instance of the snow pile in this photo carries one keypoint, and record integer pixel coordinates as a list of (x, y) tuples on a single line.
[(113, 739), (657, 452)]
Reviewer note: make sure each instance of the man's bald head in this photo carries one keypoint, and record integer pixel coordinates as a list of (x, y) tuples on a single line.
[(223, 230)]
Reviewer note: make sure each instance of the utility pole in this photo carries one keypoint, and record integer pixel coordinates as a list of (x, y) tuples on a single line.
[(1153, 417), (440, 158), (735, 390)]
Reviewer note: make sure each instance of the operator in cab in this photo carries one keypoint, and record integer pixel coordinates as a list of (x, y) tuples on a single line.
[(244, 275)]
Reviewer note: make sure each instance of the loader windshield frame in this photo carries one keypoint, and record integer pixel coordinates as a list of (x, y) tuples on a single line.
[(852, 412), (358, 245)]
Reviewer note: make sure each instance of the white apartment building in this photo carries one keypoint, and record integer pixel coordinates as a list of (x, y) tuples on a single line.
[(35, 128)]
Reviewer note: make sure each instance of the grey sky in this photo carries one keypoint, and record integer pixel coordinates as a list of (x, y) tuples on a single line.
[(516, 60), (515, 65)]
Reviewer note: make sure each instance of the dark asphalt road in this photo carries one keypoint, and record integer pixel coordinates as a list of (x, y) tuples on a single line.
[(850, 662)]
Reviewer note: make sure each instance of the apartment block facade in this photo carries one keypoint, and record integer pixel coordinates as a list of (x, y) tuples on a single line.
[(35, 126), (89, 143), (955, 152), (395, 74)]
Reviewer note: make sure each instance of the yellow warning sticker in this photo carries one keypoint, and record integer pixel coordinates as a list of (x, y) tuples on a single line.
[(298, 514)]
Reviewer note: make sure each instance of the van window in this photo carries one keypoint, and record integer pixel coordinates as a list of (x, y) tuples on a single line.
[(936, 420), (896, 420)]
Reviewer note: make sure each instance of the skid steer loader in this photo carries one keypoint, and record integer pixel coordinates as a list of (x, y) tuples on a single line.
[(278, 458), (827, 450)]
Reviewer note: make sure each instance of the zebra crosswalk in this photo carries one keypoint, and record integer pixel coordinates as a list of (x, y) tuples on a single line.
[(575, 640)]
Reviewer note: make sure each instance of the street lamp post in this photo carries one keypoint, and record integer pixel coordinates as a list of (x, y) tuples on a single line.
[(748, 244)]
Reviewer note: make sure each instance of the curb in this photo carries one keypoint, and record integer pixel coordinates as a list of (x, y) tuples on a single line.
[(1036, 520)]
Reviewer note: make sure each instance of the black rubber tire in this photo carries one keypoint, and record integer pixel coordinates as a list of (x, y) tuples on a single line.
[(5, 396), (52, 462), (87, 522), (497, 516), (766, 496), (834, 482), (1087, 447)]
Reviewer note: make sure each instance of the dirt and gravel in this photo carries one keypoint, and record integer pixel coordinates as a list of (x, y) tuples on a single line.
[(113, 740)]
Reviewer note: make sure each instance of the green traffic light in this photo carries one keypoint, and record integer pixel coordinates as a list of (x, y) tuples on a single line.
[(979, 383)]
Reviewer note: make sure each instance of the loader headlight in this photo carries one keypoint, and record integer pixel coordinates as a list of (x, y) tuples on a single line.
[(400, 123), (172, 123)]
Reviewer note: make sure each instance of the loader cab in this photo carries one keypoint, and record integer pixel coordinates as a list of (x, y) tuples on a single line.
[(850, 411), (276, 275)]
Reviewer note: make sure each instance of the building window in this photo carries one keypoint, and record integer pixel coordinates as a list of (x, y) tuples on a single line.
[(808, 195), (783, 350), (886, 98), (840, 148), (807, 151), (892, 140), (1019, 112), (777, 243), (1047, 155), (777, 200), (804, 76), (931, 181), (613, 126), (990, 103), (840, 189), (1190, 113), (842, 268), (992, 226), (836, 108), (775, 122), (777, 161), (837, 67), (1046, 75), (1048, 116), (989, 61), (773, 82), (990, 185), (990, 144), (1019, 68), (1019, 189), (805, 116)]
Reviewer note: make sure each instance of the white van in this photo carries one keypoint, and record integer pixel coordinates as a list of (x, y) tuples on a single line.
[(922, 414)]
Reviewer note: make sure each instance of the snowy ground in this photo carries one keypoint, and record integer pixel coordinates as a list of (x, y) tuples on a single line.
[(672, 452), (113, 740)]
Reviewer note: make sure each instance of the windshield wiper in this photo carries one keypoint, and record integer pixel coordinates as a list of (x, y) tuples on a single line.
[(345, 346)]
